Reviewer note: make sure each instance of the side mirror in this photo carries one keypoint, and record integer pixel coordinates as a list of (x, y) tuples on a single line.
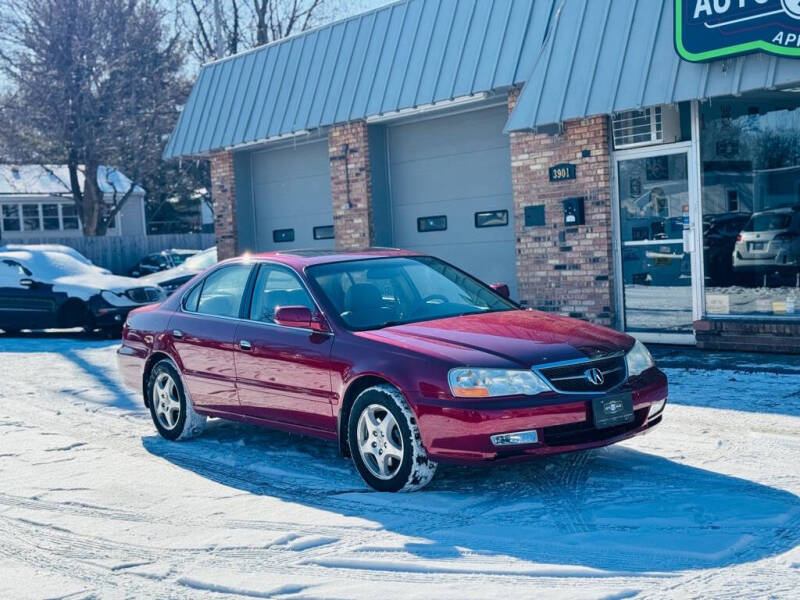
[(26, 282), (298, 316), (502, 289)]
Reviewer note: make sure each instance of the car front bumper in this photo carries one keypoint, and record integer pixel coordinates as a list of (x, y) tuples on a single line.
[(457, 430)]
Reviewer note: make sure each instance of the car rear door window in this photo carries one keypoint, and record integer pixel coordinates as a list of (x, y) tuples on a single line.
[(223, 290), (275, 287)]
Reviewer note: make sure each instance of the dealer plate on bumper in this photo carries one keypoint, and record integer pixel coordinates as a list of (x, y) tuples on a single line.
[(613, 410)]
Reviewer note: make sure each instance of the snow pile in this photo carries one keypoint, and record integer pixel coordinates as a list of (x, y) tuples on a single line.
[(93, 503)]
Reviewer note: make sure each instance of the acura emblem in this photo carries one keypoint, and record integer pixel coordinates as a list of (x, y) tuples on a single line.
[(594, 376)]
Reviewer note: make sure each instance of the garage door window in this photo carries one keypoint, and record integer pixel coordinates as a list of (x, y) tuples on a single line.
[(323, 232), (283, 235), (437, 223), (491, 218)]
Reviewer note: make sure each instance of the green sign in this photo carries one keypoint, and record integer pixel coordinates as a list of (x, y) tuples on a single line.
[(713, 29)]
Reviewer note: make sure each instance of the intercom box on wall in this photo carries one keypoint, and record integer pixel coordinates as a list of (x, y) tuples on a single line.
[(573, 211)]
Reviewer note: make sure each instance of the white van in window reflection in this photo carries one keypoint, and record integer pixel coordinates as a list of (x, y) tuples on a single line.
[(769, 240)]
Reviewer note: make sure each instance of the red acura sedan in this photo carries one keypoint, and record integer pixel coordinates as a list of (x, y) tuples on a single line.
[(404, 359)]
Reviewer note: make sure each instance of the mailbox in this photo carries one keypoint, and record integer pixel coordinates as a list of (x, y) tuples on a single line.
[(573, 212)]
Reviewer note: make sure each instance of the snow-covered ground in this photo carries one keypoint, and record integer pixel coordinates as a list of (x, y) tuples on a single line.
[(93, 504)]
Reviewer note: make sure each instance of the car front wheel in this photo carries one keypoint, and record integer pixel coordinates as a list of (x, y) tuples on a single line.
[(170, 407), (385, 442)]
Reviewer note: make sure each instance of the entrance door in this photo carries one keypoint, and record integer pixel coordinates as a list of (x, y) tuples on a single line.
[(655, 210)]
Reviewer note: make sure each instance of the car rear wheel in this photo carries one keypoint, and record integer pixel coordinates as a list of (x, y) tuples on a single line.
[(385, 442), (170, 407)]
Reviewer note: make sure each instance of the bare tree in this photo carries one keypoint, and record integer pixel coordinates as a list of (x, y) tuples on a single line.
[(92, 82), (248, 23)]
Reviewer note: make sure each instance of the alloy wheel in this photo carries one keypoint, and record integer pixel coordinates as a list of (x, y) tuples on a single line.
[(166, 401), (380, 441)]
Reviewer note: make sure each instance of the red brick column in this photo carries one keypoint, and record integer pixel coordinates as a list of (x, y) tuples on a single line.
[(564, 269), (223, 193), (351, 186)]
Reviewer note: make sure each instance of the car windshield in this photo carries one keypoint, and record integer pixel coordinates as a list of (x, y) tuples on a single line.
[(768, 222), (178, 258), (375, 293), (201, 260)]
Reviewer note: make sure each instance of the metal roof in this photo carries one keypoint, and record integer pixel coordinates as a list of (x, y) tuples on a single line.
[(605, 56), (404, 55)]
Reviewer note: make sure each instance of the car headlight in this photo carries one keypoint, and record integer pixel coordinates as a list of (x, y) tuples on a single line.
[(638, 359), (484, 383)]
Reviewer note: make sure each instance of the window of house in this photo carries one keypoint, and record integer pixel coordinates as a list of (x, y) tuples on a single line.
[(11, 217), (30, 217), (69, 217), (50, 218)]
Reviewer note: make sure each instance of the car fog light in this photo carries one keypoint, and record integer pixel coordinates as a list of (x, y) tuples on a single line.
[(656, 408), (516, 438)]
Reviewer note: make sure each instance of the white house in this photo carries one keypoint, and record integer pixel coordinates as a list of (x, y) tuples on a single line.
[(36, 203)]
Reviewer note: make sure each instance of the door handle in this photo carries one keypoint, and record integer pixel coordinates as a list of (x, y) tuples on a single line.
[(177, 333), (245, 345)]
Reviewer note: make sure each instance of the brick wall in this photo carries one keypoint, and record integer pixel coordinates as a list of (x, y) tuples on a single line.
[(351, 186), (564, 269), (748, 336), (223, 192)]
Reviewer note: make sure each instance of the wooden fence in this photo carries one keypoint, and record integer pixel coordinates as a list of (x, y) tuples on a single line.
[(119, 253)]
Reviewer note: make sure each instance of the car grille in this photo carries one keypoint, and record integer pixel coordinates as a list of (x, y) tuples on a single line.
[(585, 432), (572, 378), (144, 295)]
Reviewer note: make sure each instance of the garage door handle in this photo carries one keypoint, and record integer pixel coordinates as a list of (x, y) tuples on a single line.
[(245, 345), (177, 333)]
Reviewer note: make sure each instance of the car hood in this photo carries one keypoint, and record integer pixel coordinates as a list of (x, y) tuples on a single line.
[(509, 339), (160, 277), (83, 284)]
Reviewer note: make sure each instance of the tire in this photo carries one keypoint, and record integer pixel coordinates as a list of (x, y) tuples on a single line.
[(170, 406), (381, 416)]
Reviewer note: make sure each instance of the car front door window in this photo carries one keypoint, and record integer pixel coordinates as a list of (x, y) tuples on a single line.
[(223, 290), (276, 287)]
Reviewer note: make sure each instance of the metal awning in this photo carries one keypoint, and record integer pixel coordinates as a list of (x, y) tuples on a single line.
[(607, 56)]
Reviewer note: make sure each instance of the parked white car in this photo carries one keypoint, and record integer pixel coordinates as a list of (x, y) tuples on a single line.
[(769, 240)]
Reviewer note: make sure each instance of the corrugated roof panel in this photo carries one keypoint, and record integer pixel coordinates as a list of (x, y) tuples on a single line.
[(339, 80), (355, 68), (423, 49), (636, 66), (407, 54)]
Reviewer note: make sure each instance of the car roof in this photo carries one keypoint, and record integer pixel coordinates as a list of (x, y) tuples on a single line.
[(306, 257)]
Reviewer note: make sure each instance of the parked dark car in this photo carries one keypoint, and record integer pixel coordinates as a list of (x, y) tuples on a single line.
[(404, 359), (161, 261), (171, 279), (42, 289), (719, 238)]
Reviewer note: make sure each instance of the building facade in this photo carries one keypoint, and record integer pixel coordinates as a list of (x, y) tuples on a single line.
[(36, 204), (563, 147)]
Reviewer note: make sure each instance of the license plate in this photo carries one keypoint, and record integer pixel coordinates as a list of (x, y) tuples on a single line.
[(756, 245), (614, 410)]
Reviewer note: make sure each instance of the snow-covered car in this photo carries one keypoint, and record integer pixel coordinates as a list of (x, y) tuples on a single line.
[(42, 289), (53, 248), (161, 261), (770, 240), (171, 279)]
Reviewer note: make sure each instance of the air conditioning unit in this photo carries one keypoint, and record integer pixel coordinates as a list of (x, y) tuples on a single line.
[(645, 127)]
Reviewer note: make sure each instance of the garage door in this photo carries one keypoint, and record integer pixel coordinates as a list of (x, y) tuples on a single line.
[(292, 197), (451, 192)]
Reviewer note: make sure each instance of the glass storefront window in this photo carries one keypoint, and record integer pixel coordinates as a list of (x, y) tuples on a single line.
[(750, 162)]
